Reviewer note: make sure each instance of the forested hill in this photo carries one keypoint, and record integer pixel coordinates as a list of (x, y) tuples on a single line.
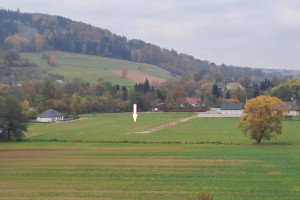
[(37, 32)]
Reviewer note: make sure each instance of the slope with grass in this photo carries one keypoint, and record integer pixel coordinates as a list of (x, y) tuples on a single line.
[(90, 68)]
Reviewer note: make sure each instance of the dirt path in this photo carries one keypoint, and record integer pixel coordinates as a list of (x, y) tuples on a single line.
[(168, 125)]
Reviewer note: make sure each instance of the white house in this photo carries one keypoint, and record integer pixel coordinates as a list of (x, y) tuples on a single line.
[(50, 115), (232, 109), (294, 108)]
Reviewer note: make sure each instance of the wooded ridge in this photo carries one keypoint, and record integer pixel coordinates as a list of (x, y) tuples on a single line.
[(36, 32)]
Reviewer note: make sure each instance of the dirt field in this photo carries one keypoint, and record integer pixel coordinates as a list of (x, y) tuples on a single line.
[(139, 77)]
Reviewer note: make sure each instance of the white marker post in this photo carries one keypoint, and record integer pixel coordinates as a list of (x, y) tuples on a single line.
[(134, 114)]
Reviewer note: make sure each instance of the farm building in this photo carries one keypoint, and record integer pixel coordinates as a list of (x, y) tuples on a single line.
[(294, 108), (232, 108), (233, 85), (50, 115), (193, 101)]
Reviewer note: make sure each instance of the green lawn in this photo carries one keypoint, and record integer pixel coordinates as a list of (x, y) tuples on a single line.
[(90, 68), (104, 127), (223, 130), (120, 128), (54, 170)]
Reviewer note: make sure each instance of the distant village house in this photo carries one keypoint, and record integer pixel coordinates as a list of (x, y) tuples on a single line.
[(50, 115), (232, 109), (233, 86), (193, 101), (294, 108)]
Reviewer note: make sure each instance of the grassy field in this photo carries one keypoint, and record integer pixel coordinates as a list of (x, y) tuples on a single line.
[(117, 163), (120, 128), (90, 68), (104, 127), (53, 170)]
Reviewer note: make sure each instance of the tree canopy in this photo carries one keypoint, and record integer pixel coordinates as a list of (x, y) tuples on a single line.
[(262, 118), (11, 119), (288, 91)]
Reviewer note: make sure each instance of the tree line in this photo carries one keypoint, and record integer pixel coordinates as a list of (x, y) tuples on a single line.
[(20, 103)]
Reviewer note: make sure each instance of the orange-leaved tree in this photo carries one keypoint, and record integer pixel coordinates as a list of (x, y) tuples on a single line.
[(262, 118)]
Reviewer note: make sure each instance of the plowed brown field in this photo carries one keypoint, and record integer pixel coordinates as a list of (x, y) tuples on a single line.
[(139, 77)]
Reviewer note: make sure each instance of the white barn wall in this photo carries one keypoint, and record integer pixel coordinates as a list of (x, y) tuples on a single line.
[(232, 112), (293, 113), (47, 120), (39, 119)]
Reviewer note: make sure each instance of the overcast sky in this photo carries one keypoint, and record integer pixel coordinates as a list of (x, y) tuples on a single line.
[(254, 33)]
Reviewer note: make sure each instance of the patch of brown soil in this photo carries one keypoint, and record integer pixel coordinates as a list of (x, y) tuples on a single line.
[(139, 77)]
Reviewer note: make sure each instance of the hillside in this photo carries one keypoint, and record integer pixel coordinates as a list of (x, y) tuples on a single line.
[(90, 68), (29, 32)]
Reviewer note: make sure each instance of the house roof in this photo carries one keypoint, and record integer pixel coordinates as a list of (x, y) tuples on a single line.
[(232, 106), (292, 105), (233, 85), (192, 100), (49, 114)]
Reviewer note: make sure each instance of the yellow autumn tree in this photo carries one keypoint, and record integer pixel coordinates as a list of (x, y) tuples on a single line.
[(4, 89), (16, 42), (25, 107), (38, 42), (262, 118)]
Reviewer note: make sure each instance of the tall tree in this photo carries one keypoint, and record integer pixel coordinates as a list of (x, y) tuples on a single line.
[(11, 119), (12, 55), (288, 91), (146, 86), (216, 91), (38, 42), (228, 95), (48, 89), (262, 118)]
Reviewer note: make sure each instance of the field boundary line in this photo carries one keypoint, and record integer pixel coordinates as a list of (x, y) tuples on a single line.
[(168, 125)]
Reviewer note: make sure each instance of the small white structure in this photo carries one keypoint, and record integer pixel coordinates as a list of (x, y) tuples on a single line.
[(50, 115), (59, 81), (232, 109), (193, 101), (294, 108)]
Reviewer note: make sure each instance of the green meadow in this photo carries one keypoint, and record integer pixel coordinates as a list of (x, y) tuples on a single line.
[(120, 128), (103, 157), (91, 68), (104, 127)]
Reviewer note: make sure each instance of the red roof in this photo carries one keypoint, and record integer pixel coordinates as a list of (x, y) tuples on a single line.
[(192, 100)]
